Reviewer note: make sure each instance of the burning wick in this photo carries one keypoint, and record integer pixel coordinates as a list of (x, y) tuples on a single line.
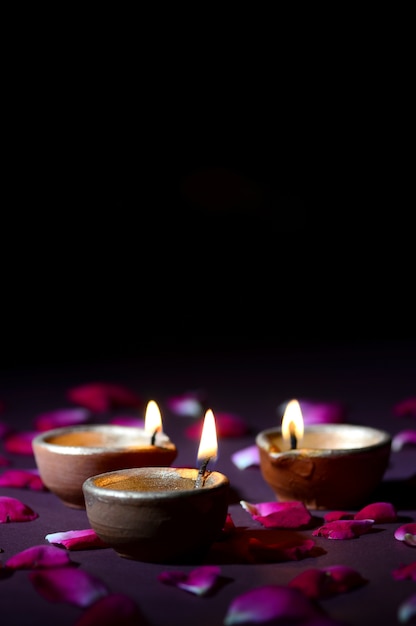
[(153, 437), (152, 421), (208, 447), (293, 438)]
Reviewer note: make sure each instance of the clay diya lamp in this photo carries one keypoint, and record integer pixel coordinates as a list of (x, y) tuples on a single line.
[(325, 466), (160, 514), (67, 456)]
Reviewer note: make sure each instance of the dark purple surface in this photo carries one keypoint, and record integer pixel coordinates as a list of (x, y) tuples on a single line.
[(370, 379)]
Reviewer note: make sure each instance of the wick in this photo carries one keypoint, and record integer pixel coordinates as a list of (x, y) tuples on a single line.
[(153, 438), (293, 438), (202, 473)]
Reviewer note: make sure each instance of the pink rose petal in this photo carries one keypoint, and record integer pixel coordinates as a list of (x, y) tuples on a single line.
[(114, 609), (101, 397), (279, 514), (22, 478), (39, 557), (344, 529), (76, 539), (405, 572), (62, 417), (246, 457), (190, 404), (200, 581), (334, 516), (379, 512), (405, 408), (270, 602), (279, 552), (402, 439), (407, 610), (20, 442), (68, 584), (406, 533), (326, 582), (228, 426), (13, 510)]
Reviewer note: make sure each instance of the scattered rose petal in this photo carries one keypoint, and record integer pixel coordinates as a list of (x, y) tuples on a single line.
[(270, 602), (344, 529), (405, 572), (126, 420), (189, 404), (246, 457), (319, 412), (405, 408), (407, 610), (279, 514), (68, 584), (326, 582), (62, 417), (228, 425), (402, 439), (379, 512), (229, 525), (280, 552), (13, 510), (22, 478), (76, 539), (114, 609), (20, 442), (4, 462), (39, 557), (101, 397), (200, 581), (406, 533), (333, 516)]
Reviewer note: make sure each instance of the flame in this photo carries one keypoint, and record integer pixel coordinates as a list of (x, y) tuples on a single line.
[(292, 422), (152, 419), (208, 447)]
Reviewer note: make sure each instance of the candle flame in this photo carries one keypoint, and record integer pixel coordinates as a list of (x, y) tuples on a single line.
[(208, 447), (292, 422), (152, 418)]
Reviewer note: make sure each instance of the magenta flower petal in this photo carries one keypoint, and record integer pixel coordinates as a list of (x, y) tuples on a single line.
[(68, 584), (406, 533), (189, 404), (246, 457), (344, 529), (405, 572), (405, 408), (128, 420), (76, 539), (20, 442), (407, 610), (320, 412), (270, 602), (228, 426), (402, 439), (279, 514), (296, 550), (39, 557), (62, 417), (101, 397), (334, 516), (13, 510), (200, 581), (323, 583), (114, 609), (379, 512), (22, 478)]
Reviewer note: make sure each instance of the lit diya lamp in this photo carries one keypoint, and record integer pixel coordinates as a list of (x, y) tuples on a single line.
[(325, 466), (67, 456), (161, 514)]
